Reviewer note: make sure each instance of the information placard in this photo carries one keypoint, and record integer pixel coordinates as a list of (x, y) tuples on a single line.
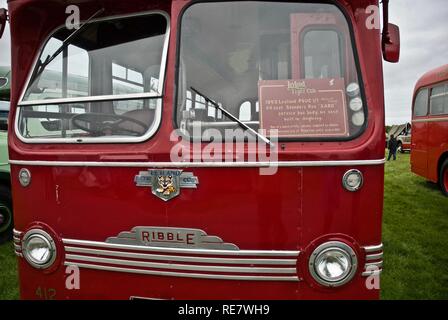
[(304, 108)]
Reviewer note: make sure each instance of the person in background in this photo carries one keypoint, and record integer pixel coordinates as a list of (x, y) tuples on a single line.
[(392, 146)]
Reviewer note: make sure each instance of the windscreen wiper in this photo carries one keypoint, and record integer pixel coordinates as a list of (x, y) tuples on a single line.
[(232, 117), (41, 65)]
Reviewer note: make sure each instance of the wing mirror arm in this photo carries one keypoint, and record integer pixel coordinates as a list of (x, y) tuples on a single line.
[(386, 35)]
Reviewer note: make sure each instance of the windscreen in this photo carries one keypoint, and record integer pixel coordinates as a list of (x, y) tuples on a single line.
[(283, 67)]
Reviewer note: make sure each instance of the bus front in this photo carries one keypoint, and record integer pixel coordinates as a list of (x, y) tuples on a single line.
[(197, 149)]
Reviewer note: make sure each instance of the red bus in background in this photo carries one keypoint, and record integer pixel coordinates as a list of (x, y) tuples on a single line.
[(95, 186), (429, 156)]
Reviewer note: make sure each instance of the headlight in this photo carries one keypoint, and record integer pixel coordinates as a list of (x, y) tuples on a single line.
[(24, 177), (352, 180), (333, 264), (39, 249)]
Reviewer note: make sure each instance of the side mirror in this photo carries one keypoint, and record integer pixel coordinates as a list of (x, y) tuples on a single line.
[(3, 20), (391, 43)]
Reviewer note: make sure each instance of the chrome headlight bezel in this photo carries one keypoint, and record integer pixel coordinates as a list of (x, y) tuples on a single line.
[(47, 240), (341, 248), (24, 177), (349, 187)]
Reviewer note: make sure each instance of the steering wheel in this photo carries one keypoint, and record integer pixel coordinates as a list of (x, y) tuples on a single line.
[(101, 123)]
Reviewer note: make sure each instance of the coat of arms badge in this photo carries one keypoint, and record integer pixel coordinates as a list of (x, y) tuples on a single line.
[(165, 183)]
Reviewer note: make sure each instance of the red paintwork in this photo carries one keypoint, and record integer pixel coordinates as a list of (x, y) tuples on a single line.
[(429, 138), (297, 208)]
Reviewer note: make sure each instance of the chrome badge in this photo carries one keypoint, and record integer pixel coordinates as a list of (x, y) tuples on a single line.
[(165, 237), (165, 183)]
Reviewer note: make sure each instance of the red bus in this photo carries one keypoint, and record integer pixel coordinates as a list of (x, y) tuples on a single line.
[(116, 191), (429, 156)]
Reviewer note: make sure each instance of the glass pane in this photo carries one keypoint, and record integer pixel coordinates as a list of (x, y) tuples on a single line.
[(87, 120), (49, 84), (245, 111), (77, 72), (4, 113), (322, 55), (264, 62), (116, 57), (129, 49), (126, 81), (439, 100), (421, 103), (446, 100)]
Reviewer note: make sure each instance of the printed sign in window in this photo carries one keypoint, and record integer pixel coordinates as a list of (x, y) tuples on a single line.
[(304, 108)]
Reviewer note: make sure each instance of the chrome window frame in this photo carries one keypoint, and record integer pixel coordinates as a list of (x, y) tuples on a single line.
[(101, 140)]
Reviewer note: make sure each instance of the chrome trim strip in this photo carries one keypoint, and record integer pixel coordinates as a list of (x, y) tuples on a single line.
[(374, 248), (335, 163), (372, 273), (186, 275), (17, 233), (266, 253), (374, 253), (431, 120), (17, 247), (118, 97), (158, 115), (376, 256), (439, 95), (279, 262), (223, 124), (374, 264), (18, 254), (16, 239), (182, 267)]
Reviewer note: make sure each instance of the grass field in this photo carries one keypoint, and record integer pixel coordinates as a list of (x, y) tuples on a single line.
[(8, 273), (415, 236)]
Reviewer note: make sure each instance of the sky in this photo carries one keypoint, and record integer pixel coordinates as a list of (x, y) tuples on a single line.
[(424, 46), (5, 55)]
